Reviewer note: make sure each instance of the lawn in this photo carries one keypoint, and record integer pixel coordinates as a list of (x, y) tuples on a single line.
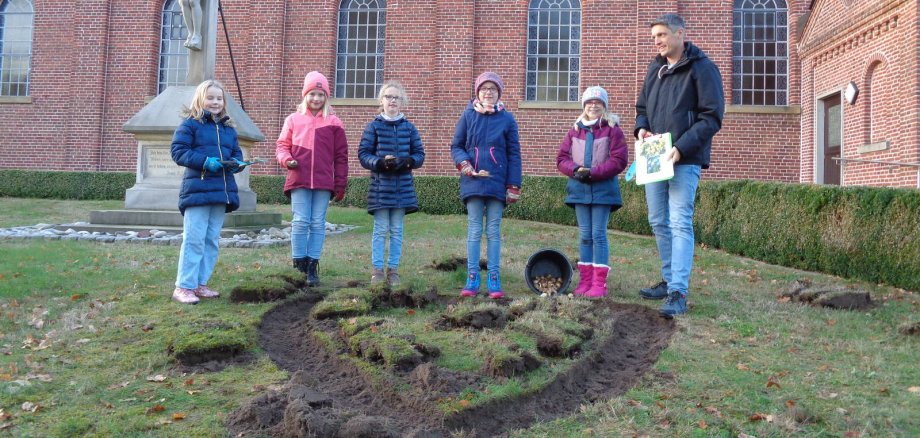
[(86, 331)]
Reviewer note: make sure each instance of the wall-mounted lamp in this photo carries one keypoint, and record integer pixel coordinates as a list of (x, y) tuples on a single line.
[(851, 92)]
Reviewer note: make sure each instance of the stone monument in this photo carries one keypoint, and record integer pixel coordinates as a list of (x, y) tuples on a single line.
[(154, 198)]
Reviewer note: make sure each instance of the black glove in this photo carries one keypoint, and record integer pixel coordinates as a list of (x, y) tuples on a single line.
[(582, 174), (404, 163), (381, 165)]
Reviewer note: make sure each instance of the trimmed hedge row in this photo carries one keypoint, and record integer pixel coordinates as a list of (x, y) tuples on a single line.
[(856, 232)]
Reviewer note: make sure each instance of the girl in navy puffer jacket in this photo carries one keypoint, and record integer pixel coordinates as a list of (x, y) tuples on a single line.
[(592, 154), (201, 143), (390, 148), (487, 153)]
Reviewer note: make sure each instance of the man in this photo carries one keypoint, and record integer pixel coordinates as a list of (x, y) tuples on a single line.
[(682, 94)]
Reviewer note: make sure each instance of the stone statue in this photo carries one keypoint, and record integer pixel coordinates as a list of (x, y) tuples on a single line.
[(191, 12)]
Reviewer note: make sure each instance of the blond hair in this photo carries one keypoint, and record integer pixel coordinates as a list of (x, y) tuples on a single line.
[(196, 110), (403, 96), (303, 106), (612, 119)]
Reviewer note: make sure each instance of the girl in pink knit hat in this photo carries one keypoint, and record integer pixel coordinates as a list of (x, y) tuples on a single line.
[(313, 148)]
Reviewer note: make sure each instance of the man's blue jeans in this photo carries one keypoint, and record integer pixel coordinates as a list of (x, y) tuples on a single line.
[(492, 208), (670, 213), (592, 229), (387, 220), (201, 236), (308, 225)]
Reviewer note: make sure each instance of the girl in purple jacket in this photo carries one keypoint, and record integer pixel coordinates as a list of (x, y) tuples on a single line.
[(593, 152)]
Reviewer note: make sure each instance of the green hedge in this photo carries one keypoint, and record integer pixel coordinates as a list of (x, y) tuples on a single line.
[(855, 232)]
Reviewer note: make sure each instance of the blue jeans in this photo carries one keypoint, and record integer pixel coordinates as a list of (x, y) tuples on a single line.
[(198, 254), (475, 207), (308, 225), (387, 220), (592, 229), (670, 213)]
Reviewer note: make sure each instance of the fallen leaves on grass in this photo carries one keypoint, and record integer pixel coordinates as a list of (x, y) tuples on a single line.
[(156, 378), (178, 416), (771, 382), (702, 424), (155, 409), (117, 385), (914, 390), (30, 407), (761, 417)]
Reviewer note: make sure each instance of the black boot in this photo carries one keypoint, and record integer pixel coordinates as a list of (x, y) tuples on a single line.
[(301, 264), (312, 277)]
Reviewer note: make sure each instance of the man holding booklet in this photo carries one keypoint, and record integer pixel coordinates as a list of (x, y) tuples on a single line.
[(682, 95)]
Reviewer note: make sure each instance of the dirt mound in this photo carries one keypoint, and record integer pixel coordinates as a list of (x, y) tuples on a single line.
[(332, 396), (836, 297), (910, 329), (454, 263)]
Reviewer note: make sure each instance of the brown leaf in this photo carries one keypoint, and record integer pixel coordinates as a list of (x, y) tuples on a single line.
[(178, 416), (702, 424), (154, 409), (758, 417), (790, 403), (147, 327), (410, 312), (783, 299), (189, 382), (463, 403), (713, 411), (76, 297), (742, 367), (117, 385), (374, 329), (659, 404), (771, 382), (831, 322)]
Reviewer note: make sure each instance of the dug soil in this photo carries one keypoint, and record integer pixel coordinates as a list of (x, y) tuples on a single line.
[(331, 396)]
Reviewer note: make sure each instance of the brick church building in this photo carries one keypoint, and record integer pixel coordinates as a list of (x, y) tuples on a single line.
[(817, 91)]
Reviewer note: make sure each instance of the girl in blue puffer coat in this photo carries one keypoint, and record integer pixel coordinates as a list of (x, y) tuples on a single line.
[(487, 153), (592, 154), (203, 143), (390, 148)]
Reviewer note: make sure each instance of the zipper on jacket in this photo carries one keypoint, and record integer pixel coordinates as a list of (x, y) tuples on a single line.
[(492, 154), (476, 161), (220, 152)]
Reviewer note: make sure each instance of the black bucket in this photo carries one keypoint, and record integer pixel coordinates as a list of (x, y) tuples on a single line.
[(550, 262)]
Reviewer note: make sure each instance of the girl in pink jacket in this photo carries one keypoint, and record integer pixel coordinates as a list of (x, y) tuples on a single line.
[(313, 148)]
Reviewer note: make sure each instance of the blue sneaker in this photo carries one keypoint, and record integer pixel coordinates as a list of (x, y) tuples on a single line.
[(495, 286), (472, 285), (675, 304)]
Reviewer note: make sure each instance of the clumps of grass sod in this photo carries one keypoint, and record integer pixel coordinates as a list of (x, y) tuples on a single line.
[(273, 287), (476, 316), (454, 262), (556, 336), (403, 296), (208, 340), (503, 358), (382, 340), (833, 297), (344, 303)]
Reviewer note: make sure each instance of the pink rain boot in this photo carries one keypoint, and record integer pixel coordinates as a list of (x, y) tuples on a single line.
[(585, 275), (599, 284)]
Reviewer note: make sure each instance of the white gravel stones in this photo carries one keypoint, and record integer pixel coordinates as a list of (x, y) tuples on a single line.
[(262, 239)]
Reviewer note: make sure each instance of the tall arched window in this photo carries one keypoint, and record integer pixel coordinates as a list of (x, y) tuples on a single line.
[(173, 54), (553, 50), (16, 18), (760, 55), (359, 55)]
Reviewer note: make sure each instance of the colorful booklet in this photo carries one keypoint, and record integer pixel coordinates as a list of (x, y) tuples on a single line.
[(650, 163)]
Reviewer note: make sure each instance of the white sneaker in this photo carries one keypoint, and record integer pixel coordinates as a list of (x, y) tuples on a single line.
[(204, 292), (185, 296)]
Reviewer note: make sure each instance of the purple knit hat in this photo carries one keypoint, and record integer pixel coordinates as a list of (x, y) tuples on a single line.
[(490, 77)]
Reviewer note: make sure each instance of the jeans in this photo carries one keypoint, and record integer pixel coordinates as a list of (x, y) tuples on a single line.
[(387, 220), (670, 213), (308, 225), (198, 254), (475, 207), (592, 229)]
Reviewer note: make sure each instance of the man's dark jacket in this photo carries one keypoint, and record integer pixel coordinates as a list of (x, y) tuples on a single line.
[(685, 100)]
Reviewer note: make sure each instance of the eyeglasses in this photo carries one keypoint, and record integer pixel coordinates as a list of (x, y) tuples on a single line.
[(488, 90), (390, 97)]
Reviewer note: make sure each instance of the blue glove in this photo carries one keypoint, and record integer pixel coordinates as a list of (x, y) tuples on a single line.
[(212, 164)]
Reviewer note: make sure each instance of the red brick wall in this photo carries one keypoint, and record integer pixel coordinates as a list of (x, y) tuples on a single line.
[(873, 44), (83, 91)]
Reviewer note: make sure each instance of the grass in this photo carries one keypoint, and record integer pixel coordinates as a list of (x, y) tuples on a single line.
[(85, 331)]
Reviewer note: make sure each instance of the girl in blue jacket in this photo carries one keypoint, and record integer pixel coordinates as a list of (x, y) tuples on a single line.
[(487, 153), (204, 140), (593, 152), (390, 148)]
